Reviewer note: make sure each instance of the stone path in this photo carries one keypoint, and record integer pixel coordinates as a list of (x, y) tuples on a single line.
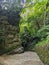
[(26, 58)]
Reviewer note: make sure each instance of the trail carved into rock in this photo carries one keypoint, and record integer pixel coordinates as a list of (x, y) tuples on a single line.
[(26, 58)]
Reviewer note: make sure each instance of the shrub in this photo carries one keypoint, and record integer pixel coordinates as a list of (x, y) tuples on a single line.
[(43, 32), (25, 39)]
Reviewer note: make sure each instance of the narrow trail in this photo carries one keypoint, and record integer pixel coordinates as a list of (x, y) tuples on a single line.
[(26, 58)]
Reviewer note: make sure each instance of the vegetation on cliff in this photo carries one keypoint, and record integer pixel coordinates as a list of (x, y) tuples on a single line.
[(26, 27)]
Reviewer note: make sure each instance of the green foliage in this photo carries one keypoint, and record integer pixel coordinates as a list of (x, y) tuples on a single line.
[(33, 16), (25, 39), (28, 0), (43, 32)]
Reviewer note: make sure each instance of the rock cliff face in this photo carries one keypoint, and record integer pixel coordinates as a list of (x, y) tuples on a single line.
[(10, 34)]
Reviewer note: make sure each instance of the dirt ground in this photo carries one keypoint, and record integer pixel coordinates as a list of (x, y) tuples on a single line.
[(26, 58)]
